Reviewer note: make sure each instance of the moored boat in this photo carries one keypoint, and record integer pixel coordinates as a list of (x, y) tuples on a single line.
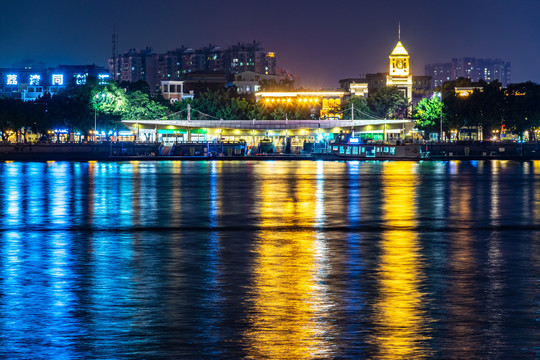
[(374, 151)]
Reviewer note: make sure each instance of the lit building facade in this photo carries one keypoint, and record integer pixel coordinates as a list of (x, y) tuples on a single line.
[(174, 91), (400, 71), (322, 104), (414, 88), (248, 82)]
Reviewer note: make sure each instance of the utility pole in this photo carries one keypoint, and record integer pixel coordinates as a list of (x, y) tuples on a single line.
[(114, 52), (441, 116), (189, 120), (352, 118)]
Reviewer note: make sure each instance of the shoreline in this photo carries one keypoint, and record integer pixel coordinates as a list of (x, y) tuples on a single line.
[(260, 158), (113, 151)]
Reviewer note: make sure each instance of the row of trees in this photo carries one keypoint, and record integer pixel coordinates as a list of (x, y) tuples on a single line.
[(489, 106), (386, 102)]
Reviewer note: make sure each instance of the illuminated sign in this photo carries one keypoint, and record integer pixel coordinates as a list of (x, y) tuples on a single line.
[(35, 79), (58, 79), (80, 79), (12, 79), (103, 78)]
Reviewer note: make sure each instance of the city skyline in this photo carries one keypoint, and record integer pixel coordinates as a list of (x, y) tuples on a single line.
[(317, 42)]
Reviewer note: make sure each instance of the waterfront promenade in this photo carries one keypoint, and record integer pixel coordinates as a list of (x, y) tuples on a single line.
[(118, 151)]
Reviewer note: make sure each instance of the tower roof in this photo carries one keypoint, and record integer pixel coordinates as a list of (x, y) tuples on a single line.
[(399, 49)]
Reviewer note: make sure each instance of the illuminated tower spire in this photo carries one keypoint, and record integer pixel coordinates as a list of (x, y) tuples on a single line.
[(400, 71)]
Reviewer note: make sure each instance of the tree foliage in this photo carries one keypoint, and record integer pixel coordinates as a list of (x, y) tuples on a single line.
[(490, 106), (75, 109), (360, 106), (388, 102), (428, 114)]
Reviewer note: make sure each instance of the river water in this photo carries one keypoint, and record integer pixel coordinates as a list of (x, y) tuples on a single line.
[(270, 260)]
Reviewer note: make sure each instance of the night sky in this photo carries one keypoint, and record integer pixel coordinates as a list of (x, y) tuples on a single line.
[(321, 42)]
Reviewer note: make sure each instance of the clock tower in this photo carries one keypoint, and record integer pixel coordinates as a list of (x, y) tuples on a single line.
[(400, 70)]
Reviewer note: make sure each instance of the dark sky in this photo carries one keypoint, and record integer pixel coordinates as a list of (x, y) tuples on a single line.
[(320, 41)]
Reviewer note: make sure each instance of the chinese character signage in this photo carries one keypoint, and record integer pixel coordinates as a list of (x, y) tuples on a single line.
[(58, 79), (12, 79), (103, 79), (80, 79), (35, 79)]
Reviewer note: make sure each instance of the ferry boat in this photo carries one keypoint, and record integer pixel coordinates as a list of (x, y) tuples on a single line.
[(375, 151)]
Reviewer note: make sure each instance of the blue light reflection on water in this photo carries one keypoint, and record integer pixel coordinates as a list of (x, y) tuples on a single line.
[(200, 259)]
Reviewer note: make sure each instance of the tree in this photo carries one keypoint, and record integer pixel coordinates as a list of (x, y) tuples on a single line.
[(522, 108), (457, 110), (388, 102), (140, 106), (485, 107), (428, 114), (361, 109)]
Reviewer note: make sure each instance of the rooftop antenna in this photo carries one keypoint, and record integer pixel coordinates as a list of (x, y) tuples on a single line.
[(399, 31), (114, 53)]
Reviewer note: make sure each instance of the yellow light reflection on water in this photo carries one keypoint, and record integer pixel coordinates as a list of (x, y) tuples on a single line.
[(288, 304), (399, 321), (461, 299)]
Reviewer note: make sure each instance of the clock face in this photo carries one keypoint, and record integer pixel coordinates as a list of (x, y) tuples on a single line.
[(399, 64)]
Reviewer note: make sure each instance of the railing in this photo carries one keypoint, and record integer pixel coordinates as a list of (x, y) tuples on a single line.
[(267, 124)]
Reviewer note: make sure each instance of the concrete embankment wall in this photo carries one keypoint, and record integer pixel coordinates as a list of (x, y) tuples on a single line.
[(75, 152), (482, 150)]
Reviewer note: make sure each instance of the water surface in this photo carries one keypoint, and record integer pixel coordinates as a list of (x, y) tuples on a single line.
[(270, 260)]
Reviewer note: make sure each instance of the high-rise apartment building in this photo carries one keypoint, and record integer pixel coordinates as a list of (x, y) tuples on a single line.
[(470, 67), (176, 64), (130, 67)]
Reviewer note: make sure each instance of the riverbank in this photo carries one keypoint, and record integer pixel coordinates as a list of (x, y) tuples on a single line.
[(119, 151)]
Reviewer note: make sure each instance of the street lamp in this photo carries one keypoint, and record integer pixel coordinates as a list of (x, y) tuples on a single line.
[(97, 96), (95, 121)]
